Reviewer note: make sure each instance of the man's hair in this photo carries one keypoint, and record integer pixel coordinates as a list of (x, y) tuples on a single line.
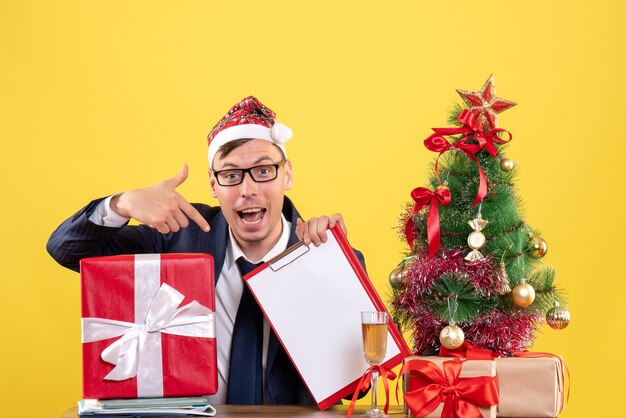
[(229, 147)]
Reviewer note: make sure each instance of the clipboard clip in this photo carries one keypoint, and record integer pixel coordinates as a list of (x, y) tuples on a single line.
[(288, 256)]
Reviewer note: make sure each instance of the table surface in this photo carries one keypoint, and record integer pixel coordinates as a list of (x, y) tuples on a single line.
[(297, 411), (260, 411)]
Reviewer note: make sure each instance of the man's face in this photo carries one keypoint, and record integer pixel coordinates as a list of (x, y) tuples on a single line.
[(253, 209)]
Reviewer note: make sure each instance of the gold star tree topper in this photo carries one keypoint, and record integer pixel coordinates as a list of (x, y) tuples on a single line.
[(484, 103)]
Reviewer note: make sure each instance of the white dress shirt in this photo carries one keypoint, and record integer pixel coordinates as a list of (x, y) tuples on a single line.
[(228, 293)]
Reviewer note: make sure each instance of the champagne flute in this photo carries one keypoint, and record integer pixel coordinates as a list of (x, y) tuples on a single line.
[(374, 327)]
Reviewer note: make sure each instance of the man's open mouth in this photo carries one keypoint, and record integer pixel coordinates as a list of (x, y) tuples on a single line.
[(251, 216)]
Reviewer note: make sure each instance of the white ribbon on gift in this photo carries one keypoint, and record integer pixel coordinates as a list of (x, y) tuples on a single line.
[(138, 352)]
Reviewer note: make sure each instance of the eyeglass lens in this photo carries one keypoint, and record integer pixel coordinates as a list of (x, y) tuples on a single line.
[(259, 174)]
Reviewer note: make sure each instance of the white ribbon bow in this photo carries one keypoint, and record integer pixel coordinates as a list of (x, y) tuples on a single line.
[(140, 345)]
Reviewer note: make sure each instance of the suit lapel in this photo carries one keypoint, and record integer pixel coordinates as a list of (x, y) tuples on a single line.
[(215, 243)]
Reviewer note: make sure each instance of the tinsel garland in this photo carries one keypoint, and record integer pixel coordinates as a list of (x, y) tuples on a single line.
[(423, 273), (501, 329)]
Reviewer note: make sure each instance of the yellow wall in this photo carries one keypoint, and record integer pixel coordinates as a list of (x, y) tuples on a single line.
[(97, 97)]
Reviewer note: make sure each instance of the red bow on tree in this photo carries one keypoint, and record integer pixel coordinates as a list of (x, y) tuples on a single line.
[(461, 397), (485, 139), (472, 130), (422, 198)]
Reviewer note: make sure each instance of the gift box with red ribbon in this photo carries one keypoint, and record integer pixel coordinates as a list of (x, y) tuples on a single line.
[(148, 326), (449, 387), (531, 385)]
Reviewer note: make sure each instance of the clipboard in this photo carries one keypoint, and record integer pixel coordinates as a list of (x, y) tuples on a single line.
[(313, 298)]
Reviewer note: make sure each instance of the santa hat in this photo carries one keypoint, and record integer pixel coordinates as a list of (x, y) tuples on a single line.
[(248, 119)]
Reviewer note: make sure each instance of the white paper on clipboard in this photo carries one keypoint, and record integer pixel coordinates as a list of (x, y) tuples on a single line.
[(313, 299)]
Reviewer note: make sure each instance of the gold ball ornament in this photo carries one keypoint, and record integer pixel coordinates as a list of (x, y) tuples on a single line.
[(396, 277), (523, 294), (451, 337), (507, 164), (538, 247), (557, 317)]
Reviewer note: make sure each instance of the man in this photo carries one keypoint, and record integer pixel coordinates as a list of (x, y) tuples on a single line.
[(255, 221)]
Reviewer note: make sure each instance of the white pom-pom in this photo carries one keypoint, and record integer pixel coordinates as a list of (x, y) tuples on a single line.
[(281, 133)]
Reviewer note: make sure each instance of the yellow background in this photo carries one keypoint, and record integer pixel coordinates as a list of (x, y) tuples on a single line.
[(97, 97)]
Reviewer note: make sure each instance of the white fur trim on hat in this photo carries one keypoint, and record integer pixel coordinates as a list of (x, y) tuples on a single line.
[(278, 134), (281, 133)]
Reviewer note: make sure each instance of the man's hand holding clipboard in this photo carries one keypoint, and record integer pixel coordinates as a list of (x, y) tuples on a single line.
[(314, 230)]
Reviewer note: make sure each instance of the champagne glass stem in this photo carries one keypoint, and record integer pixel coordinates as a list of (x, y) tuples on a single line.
[(374, 389)]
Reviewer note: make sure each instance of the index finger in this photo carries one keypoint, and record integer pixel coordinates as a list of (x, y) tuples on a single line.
[(338, 219), (193, 214)]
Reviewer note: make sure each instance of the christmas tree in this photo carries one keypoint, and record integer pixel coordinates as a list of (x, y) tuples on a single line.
[(474, 269)]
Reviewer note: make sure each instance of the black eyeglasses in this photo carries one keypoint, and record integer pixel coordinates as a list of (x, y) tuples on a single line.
[(259, 173)]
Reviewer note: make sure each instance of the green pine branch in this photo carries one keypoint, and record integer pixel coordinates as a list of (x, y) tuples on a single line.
[(453, 298)]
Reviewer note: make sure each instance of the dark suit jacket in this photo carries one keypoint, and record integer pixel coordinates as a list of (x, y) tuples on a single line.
[(78, 237)]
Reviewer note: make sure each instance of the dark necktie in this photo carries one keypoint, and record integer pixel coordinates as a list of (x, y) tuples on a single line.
[(245, 376)]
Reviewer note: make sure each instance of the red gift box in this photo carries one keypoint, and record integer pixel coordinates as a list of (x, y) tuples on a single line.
[(443, 387), (148, 326)]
